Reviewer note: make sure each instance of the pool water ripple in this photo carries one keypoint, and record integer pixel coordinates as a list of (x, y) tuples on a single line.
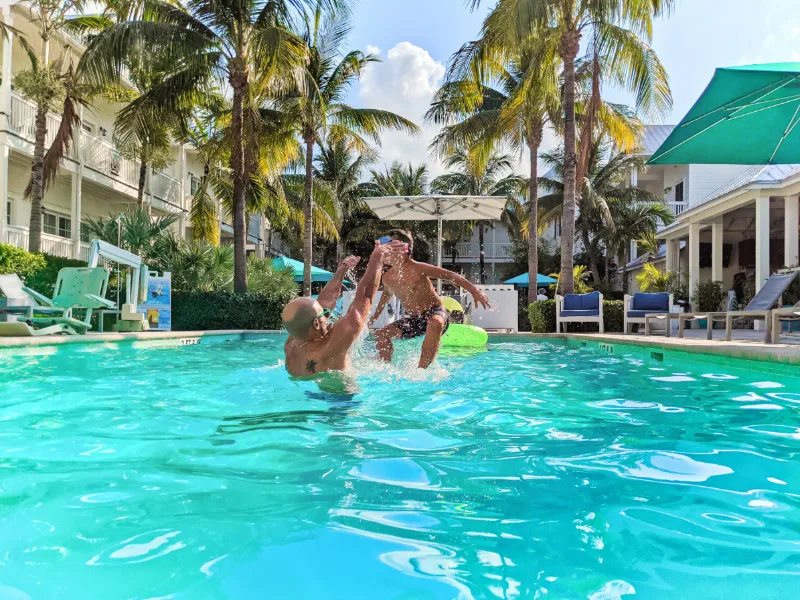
[(533, 469)]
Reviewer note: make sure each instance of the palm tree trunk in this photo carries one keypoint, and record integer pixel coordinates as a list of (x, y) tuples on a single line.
[(37, 181), (570, 42), (587, 134), (308, 225), (533, 213), (481, 256), (607, 265), (239, 85), (142, 180), (626, 258)]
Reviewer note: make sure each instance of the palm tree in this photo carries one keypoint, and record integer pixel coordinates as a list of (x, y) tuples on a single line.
[(341, 165), (475, 176), (559, 24), (246, 45), (516, 114), (603, 192), (317, 109)]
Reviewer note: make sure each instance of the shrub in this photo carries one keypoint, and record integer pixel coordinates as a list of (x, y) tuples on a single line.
[(16, 260), (708, 296), (543, 318), (225, 310), (44, 279)]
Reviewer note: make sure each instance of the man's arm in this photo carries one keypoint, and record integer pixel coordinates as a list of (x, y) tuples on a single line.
[(330, 293), (348, 328), (445, 275)]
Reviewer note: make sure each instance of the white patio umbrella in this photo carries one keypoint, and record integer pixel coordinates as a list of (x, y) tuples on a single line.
[(437, 208)]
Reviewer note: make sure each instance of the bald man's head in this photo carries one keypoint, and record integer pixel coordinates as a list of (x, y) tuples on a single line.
[(301, 317)]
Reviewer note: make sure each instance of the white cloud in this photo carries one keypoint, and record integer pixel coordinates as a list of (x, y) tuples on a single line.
[(405, 84), (373, 49)]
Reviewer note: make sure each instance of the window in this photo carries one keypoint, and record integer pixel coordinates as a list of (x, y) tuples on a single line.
[(8, 212), (194, 184), (557, 229), (87, 126), (679, 192), (57, 225), (84, 233)]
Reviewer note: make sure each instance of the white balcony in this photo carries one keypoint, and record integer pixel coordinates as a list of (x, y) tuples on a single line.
[(470, 251), (677, 208), (23, 120), (51, 244), (102, 156), (167, 189)]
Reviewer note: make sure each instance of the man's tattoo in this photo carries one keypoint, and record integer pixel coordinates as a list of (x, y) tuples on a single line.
[(311, 366)]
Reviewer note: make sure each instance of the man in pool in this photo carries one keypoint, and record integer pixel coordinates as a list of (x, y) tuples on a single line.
[(316, 347), (411, 282)]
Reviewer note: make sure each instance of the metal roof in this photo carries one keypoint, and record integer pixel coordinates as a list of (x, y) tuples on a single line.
[(755, 174), (654, 136)]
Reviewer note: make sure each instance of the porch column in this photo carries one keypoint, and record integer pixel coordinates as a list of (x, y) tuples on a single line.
[(5, 113), (634, 177), (762, 241), (694, 256), (673, 247), (716, 250), (77, 184), (791, 223)]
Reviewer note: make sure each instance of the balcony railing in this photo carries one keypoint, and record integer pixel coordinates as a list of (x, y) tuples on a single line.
[(677, 208), (471, 250), (23, 120), (102, 156), (51, 244), (167, 189)]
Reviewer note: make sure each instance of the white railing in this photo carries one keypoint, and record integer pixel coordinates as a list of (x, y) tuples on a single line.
[(51, 244), (167, 189), (676, 208), (102, 156), (471, 250), (23, 120)]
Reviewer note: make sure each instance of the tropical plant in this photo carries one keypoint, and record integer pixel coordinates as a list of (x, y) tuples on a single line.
[(475, 175), (617, 29), (605, 203), (708, 296), (579, 276), (318, 108), (264, 278), (139, 231), (245, 44), (653, 279)]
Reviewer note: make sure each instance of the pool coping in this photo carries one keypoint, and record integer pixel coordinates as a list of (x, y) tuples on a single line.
[(778, 353)]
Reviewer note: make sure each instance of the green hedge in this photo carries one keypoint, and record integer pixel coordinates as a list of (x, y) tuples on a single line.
[(192, 311), (543, 318), (44, 280), (16, 260)]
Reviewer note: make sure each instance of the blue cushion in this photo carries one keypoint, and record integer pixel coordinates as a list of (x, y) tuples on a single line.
[(572, 302), (651, 302), (640, 314), (582, 302), (581, 313)]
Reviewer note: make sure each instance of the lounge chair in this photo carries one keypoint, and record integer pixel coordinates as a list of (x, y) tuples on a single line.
[(76, 288), (16, 302), (790, 314), (579, 308), (637, 307), (759, 308)]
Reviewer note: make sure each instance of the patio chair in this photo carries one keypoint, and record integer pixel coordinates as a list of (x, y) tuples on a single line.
[(637, 307), (579, 308), (16, 303), (76, 288), (790, 314), (759, 308)]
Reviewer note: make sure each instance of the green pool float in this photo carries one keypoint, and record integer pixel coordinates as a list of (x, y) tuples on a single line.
[(462, 336)]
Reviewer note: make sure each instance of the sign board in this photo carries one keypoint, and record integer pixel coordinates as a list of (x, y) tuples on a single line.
[(157, 308)]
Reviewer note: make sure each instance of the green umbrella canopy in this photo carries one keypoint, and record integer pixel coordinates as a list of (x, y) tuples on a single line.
[(746, 116), (317, 274)]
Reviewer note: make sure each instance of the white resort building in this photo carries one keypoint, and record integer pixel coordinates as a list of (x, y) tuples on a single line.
[(730, 219), (94, 180)]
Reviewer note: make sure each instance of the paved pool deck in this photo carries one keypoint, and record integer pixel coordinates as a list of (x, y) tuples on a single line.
[(746, 344)]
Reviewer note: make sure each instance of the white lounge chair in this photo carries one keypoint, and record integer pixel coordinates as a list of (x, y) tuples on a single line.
[(579, 308)]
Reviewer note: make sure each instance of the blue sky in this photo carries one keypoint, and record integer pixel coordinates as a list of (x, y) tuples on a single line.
[(417, 37)]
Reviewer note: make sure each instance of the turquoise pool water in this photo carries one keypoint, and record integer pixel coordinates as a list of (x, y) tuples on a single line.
[(531, 470)]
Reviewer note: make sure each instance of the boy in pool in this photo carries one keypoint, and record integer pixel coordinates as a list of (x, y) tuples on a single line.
[(411, 282), (314, 346)]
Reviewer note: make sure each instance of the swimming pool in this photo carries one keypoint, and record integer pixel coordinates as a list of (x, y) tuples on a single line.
[(534, 469)]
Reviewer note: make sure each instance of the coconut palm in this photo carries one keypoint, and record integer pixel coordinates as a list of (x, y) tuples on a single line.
[(472, 175), (614, 26), (244, 45), (318, 109), (514, 113), (139, 230)]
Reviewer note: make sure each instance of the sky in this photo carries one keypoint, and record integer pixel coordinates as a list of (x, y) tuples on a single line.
[(415, 39)]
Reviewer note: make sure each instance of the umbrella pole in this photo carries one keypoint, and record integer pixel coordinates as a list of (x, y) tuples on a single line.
[(439, 251)]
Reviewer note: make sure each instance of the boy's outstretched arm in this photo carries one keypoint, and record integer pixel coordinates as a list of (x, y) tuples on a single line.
[(333, 289), (439, 273)]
